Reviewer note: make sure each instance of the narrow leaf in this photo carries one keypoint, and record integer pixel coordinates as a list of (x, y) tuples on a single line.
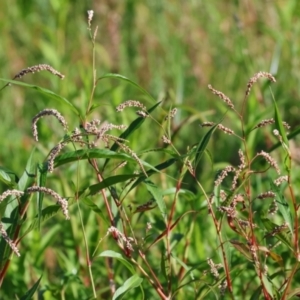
[(157, 195), (278, 123), (90, 204), (131, 283), (8, 177), (83, 154), (154, 170), (41, 180), (119, 257), (29, 175), (133, 127), (29, 294), (242, 248), (120, 77), (96, 188), (282, 236), (45, 92), (203, 144), (45, 215), (283, 206)]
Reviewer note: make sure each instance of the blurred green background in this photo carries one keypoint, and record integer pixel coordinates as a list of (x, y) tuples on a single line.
[(173, 49)]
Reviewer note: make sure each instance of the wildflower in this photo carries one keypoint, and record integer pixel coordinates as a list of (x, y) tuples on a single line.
[(38, 68), (11, 193), (47, 112), (280, 180), (172, 114), (53, 154), (225, 129), (270, 160), (207, 124), (90, 17), (223, 175), (61, 201), (214, 267), (166, 140), (256, 77), (265, 195), (11, 244), (265, 123), (221, 96), (130, 103)]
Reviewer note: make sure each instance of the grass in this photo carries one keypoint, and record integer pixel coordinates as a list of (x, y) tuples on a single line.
[(171, 223)]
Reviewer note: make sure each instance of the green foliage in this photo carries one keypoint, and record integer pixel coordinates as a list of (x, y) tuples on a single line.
[(164, 208)]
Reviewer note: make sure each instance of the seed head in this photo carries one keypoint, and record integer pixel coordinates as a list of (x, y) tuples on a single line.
[(222, 96), (223, 175), (225, 129), (8, 240), (270, 160), (265, 195), (61, 201), (280, 180), (38, 68), (90, 17), (256, 77), (11, 193), (47, 112), (130, 103)]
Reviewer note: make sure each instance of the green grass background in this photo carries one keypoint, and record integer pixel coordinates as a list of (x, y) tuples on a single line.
[(173, 49)]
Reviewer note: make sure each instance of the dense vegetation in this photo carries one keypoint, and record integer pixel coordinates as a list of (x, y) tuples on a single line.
[(149, 150)]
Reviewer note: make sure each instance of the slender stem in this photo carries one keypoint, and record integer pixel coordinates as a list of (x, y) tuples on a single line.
[(296, 225), (89, 264), (94, 75), (100, 179), (221, 242), (294, 270), (169, 223), (158, 288), (15, 239), (186, 248)]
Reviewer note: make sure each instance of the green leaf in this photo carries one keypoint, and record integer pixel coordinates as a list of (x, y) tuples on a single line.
[(45, 92), (203, 144), (29, 294), (41, 180), (90, 204), (242, 248), (268, 285), (157, 195), (12, 208), (29, 175), (293, 293), (95, 188), (45, 215), (123, 78), (185, 266), (285, 143), (133, 126), (119, 257), (8, 177), (282, 236), (154, 170), (186, 194), (163, 268), (81, 154), (278, 123), (131, 283), (283, 206)]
